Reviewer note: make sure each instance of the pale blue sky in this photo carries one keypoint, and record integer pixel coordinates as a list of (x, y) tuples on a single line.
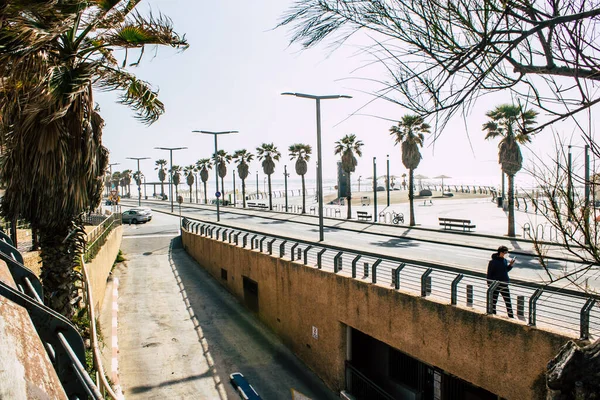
[(231, 78)]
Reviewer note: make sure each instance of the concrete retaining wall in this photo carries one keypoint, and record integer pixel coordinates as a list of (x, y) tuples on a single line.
[(99, 268), (505, 358)]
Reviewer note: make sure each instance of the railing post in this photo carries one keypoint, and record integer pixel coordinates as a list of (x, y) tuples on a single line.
[(201, 229), (261, 243), (396, 275), (282, 249), (454, 289), (292, 251), (236, 238), (230, 234), (520, 306), (469, 295), (426, 282), (270, 246), (245, 240), (337, 262), (306, 254), (585, 318), (319, 255), (489, 303), (217, 234), (533, 306), (252, 242), (354, 265), (224, 237), (375, 265), (366, 270)]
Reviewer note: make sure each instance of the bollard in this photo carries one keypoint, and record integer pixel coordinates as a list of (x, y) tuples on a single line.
[(469, 295)]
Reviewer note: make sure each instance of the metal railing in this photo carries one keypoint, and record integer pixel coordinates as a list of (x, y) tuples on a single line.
[(361, 387), (97, 237), (61, 339), (546, 307)]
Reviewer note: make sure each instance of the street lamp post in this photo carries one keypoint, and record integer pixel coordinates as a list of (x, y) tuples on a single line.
[(256, 185), (285, 176), (374, 189), (171, 149), (110, 167), (387, 186), (215, 134), (359, 178), (233, 173), (139, 178), (319, 158)]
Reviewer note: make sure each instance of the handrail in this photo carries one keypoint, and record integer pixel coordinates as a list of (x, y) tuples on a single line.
[(415, 273), (95, 346)]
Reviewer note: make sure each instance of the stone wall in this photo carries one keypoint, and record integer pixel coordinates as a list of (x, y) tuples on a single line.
[(506, 358), (99, 268)]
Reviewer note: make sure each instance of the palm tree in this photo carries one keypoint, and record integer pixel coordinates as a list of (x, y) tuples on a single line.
[(137, 177), (301, 153), (175, 172), (348, 146), (242, 159), (268, 154), (52, 58), (126, 176), (410, 135), (162, 175), (513, 124), (203, 165), (116, 180), (221, 159), (189, 177)]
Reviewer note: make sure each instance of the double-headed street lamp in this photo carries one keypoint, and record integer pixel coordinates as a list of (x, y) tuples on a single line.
[(139, 176), (215, 134), (171, 149), (319, 161)]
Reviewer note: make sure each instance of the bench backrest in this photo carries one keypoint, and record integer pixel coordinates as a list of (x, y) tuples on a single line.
[(465, 221)]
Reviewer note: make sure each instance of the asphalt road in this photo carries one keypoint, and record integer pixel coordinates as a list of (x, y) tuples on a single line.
[(452, 254), (181, 334)]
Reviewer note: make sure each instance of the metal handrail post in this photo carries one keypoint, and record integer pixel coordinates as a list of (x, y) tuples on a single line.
[(454, 289), (306, 254), (260, 242), (585, 318), (337, 262), (293, 249), (270, 246), (282, 249), (396, 275), (252, 242), (489, 304), (354, 265), (424, 280), (319, 256), (374, 269), (533, 306)]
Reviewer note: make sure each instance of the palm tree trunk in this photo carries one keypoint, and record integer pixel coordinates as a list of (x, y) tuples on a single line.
[(222, 192), (511, 206), (349, 198), (270, 194), (244, 192), (303, 196), (59, 259), (162, 189), (411, 196), (191, 199), (205, 196)]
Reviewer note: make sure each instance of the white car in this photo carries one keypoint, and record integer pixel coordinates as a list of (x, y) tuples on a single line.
[(135, 216), (144, 210)]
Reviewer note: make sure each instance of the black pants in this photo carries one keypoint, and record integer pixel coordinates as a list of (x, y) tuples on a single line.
[(505, 292)]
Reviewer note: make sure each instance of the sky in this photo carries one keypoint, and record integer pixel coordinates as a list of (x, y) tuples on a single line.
[(232, 76)]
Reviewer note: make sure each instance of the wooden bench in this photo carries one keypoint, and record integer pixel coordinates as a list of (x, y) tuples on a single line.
[(449, 223), (363, 216)]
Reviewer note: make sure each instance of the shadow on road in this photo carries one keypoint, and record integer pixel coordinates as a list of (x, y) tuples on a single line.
[(397, 243), (234, 340)]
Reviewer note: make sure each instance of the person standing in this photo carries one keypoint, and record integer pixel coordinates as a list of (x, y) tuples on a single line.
[(498, 269)]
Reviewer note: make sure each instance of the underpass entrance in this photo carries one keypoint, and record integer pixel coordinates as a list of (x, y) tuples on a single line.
[(250, 294), (375, 370)]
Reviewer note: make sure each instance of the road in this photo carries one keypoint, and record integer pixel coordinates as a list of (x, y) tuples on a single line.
[(181, 334), (451, 253)]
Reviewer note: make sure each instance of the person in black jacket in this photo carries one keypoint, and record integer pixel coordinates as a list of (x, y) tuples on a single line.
[(498, 268)]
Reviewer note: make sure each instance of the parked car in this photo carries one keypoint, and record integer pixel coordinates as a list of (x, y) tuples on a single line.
[(135, 216), (144, 210)]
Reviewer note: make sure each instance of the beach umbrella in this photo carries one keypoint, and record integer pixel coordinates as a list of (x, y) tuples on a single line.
[(420, 177), (442, 177)]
